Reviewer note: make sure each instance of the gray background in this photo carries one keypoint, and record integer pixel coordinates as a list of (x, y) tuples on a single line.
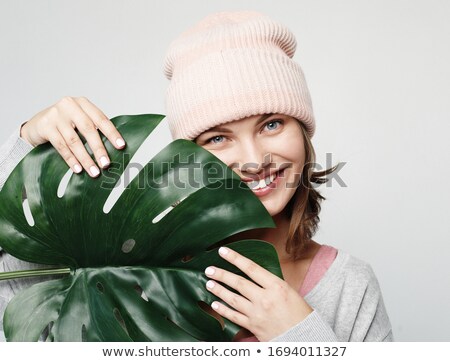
[(378, 72)]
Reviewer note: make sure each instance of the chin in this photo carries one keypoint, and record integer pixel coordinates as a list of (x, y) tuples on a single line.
[(276, 203), (273, 209)]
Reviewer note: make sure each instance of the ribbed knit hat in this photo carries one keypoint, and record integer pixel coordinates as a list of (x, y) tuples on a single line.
[(233, 65)]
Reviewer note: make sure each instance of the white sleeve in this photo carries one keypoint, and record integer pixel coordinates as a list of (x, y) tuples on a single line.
[(11, 153), (312, 329)]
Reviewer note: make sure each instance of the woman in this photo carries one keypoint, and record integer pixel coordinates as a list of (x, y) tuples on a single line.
[(236, 91)]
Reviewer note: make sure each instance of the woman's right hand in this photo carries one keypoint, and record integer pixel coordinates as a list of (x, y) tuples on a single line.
[(56, 124)]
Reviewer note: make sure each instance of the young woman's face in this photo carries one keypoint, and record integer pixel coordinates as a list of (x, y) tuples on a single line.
[(262, 149)]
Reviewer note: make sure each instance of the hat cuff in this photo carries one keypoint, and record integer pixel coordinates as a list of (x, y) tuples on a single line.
[(232, 84)]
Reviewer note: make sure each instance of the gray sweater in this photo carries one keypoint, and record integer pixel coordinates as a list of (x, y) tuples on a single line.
[(347, 302)]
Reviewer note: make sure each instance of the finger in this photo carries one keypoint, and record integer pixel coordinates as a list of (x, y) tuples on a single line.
[(73, 141), (58, 142), (234, 300), (249, 290), (228, 313), (87, 128), (102, 122), (256, 272)]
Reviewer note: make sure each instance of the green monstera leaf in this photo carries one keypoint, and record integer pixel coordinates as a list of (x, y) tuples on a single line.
[(136, 271)]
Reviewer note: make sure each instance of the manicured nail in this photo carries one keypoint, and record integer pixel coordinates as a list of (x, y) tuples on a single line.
[(94, 171), (120, 142), (210, 284), (104, 161), (209, 271), (223, 251), (215, 305), (77, 168)]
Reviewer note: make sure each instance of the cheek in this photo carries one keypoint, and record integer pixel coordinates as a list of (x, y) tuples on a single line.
[(293, 155), (291, 148), (228, 157)]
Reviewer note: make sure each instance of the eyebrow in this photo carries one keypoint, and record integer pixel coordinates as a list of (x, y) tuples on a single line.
[(226, 130)]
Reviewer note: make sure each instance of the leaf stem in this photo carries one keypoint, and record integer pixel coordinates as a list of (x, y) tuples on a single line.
[(33, 273)]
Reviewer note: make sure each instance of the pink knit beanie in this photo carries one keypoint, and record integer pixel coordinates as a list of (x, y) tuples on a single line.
[(233, 65)]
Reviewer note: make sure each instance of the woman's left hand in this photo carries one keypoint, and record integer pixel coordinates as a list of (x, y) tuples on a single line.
[(266, 307)]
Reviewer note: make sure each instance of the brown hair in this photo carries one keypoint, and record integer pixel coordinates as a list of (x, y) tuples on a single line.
[(304, 207)]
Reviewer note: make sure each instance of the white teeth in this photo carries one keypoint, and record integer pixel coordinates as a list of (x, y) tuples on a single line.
[(263, 182), (252, 184)]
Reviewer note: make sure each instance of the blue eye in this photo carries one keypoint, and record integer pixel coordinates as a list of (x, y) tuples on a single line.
[(273, 122), (214, 138), (272, 125)]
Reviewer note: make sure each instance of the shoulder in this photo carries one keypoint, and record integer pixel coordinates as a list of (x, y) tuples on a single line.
[(355, 270), (355, 284)]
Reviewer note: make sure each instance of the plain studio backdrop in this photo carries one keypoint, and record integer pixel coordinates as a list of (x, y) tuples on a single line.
[(378, 73)]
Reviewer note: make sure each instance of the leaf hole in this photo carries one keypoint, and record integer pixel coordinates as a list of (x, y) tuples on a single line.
[(26, 208), (141, 292), (100, 287), (175, 324), (63, 183), (186, 258), (166, 211), (143, 155), (128, 245), (83, 333), (208, 309), (187, 332), (119, 319), (45, 334)]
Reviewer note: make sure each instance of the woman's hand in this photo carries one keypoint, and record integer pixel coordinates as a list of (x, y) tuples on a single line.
[(57, 124), (267, 308)]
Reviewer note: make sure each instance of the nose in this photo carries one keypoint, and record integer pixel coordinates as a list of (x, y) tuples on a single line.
[(254, 158)]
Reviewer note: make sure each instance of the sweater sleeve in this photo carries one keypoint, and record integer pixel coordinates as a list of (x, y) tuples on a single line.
[(365, 317), (312, 329), (372, 322), (11, 153)]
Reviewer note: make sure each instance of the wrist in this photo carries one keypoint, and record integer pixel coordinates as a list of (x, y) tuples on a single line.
[(24, 134)]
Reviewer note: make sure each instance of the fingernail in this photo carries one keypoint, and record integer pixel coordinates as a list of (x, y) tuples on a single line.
[(120, 142), (223, 251), (77, 168), (94, 171), (210, 284), (214, 305), (209, 271), (104, 161)]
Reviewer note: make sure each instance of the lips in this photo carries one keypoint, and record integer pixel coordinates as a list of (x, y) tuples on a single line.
[(263, 182), (261, 177)]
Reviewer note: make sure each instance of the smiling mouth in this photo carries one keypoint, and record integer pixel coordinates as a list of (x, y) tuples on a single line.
[(265, 182)]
